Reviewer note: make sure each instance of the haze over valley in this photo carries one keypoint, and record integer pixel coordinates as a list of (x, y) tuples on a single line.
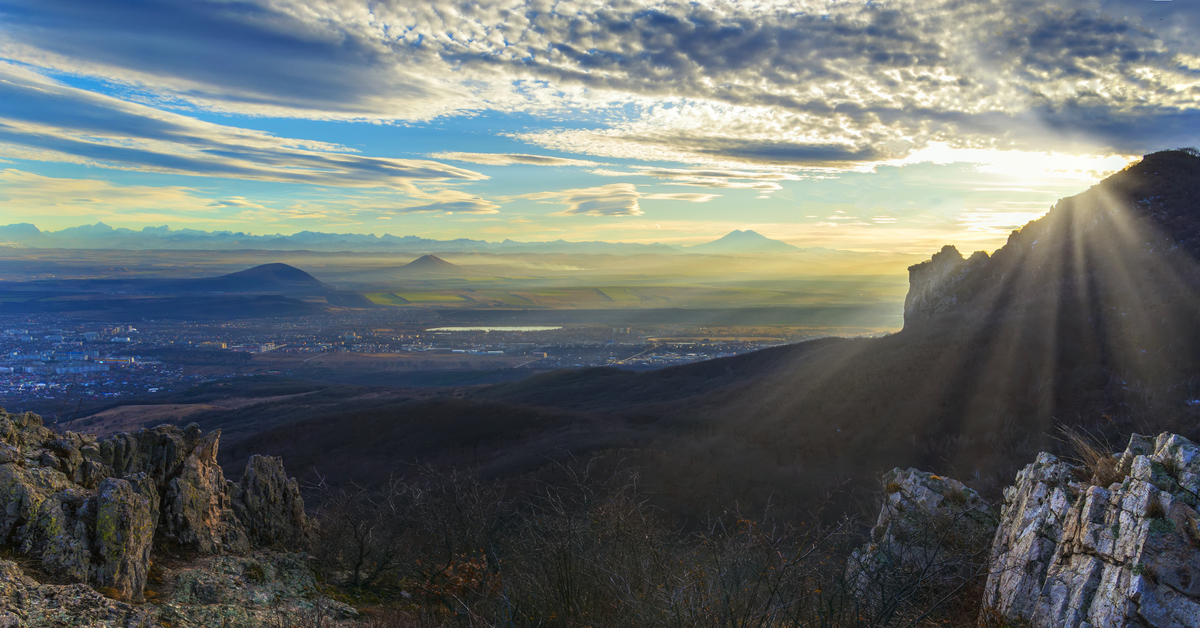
[(581, 314)]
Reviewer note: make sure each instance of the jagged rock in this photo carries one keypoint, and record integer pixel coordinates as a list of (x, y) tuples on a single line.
[(197, 511), (158, 452), (269, 502), (44, 516), (1033, 514), (935, 286), (928, 524), (125, 522), (90, 511), (1126, 554)]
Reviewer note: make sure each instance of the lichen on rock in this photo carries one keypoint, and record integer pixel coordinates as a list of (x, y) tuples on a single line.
[(928, 525), (1069, 553), (91, 511)]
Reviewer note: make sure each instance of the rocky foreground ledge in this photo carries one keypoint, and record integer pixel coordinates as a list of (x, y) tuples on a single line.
[(1117, 545), (88, 514)]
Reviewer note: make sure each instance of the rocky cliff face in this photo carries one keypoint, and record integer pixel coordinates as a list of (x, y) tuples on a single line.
[(91, 511), (938, 285), (1118, 545), (1127, 234), (1071, 553)]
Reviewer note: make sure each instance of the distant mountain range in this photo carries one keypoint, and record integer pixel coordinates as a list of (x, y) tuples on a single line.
[(102, 236)]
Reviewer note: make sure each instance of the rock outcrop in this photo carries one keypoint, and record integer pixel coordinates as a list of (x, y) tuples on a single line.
[(91, 511), (1070, 553), (937, 286), (928, 524)]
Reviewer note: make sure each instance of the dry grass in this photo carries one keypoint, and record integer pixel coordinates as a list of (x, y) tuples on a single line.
[(1097, 464)]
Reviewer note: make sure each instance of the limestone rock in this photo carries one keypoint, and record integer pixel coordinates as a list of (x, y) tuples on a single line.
[(269, 502), (938, 286), (1034, 512), (125, 522), (90, 511), (927, 524), (1126, 554), (197, 512)]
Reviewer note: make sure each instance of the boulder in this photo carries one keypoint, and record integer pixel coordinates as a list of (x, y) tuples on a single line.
[(1071, 553)]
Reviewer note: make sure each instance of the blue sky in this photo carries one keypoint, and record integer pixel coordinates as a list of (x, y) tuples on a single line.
[(862, 125)]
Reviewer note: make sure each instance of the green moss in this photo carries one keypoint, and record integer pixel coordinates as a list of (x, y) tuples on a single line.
[(1161, 526)]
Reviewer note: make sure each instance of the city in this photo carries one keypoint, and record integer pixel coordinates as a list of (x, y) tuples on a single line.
[(61, 365)]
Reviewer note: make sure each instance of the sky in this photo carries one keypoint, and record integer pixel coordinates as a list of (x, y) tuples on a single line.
[(876, 126)]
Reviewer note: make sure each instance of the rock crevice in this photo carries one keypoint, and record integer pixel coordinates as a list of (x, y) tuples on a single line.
[(1070, 553)]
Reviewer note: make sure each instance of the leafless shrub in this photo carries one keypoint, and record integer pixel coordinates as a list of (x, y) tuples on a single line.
[(592, 551)]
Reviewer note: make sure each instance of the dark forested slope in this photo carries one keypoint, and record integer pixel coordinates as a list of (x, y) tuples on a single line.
[(1087, 317)]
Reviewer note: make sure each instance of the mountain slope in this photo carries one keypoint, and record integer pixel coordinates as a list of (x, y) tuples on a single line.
[(265, 278), (738, 241), (1088, 317), (431, 266)]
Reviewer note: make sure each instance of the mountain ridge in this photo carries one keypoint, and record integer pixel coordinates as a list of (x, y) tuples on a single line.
[(103, 236)]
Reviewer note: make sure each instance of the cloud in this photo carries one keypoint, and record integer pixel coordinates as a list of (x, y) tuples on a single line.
[(615, 199), (510, 159), (57, 202), (809, 84), (711, 178), (319, 60), (682, 196), (444, 202), (45, 120), (468, 206), (235, 201)]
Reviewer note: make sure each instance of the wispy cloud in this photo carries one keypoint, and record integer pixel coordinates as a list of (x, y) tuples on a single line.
[(235, 201), (709, 177), (42, 119), (510, 159), (616, 199), (465, 206), (681, 196)]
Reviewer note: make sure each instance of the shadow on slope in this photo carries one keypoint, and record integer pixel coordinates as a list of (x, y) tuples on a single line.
[(1088, 317)]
